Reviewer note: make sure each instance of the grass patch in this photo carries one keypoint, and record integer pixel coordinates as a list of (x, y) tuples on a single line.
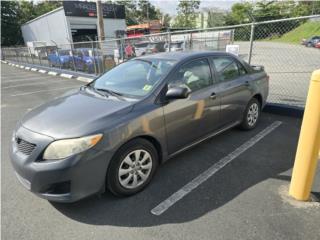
[(305, 30)]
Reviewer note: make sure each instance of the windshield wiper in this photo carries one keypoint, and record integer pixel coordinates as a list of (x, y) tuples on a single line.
[(110, 92), (95, 90)]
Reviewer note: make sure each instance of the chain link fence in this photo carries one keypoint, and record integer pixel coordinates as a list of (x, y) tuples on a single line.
[(274, 44)]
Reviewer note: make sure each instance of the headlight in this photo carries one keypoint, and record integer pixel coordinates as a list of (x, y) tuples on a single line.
[(64, 148)]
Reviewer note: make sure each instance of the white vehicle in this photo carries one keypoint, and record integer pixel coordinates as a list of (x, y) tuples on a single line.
[(140, 48), (176, 46)]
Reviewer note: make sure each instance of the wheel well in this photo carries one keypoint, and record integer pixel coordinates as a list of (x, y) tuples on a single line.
[(155, 143), (259, 98)]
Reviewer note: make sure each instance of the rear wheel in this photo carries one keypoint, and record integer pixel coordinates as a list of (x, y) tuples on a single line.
[(132, 167), (251, 115)]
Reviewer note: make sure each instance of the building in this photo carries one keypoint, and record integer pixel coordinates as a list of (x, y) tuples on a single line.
[(74, 22), (151, 27)]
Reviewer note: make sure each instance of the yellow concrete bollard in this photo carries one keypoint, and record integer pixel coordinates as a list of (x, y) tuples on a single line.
[(309, 144)]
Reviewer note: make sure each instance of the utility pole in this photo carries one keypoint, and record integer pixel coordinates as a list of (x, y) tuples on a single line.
[(101, 35)]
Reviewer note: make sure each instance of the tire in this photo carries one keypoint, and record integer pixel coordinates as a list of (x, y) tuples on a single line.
[(251, 115), (117, 183)]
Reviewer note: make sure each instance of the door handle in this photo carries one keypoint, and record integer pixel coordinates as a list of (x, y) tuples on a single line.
[(213, 96), (247, 83)]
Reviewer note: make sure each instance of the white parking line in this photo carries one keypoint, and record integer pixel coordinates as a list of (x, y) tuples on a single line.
[(50, 90), (28, 79), (36, 83), (186, 189)]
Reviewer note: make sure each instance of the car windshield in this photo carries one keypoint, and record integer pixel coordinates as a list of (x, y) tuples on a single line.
[(135, 78)]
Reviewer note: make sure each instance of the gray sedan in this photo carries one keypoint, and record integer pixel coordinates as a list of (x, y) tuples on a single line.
[(114, 132)]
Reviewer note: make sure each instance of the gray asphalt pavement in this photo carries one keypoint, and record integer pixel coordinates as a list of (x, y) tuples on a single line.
[(241, 201)]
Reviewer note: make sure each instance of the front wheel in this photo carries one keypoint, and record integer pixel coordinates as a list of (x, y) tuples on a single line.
[(132, 167), (251, 115)]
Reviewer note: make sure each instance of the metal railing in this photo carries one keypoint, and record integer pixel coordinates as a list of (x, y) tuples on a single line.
[(273, 44)]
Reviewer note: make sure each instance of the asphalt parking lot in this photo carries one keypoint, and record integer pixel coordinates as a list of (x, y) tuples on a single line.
[(241, 200)]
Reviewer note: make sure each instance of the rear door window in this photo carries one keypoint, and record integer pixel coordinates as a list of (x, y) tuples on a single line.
[(228, 68)]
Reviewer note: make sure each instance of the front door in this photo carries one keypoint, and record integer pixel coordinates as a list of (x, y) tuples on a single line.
[(187, 120)]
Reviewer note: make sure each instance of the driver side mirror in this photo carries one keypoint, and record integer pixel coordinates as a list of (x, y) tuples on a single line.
[(177, 93)]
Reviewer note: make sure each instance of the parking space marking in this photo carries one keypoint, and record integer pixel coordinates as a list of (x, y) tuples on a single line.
[(39, 79), (186, 189), (36, 83), (50, 90)]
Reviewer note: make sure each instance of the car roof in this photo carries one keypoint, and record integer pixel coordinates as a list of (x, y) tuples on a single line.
[(180, 56)]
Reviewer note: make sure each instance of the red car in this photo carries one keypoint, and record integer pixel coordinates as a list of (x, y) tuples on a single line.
[(317, 45)]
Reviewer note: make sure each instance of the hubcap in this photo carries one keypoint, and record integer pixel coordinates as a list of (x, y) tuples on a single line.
[(135, 169), (253, 114)]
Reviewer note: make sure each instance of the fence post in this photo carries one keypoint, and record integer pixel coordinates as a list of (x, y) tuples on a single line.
[(169, 40), (39, 57), (218, 43), (72, 52), (30, 55), (251, 42), (94, 59)]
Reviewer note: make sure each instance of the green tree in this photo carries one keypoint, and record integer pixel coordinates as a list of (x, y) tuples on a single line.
[(166, 19), (215, 18), (10, 28), (240, 13), (16, 13), (187, 14), (270, 10), (146, 11), (130, 9)]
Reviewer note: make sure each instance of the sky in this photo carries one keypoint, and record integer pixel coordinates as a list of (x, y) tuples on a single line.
[(170, 6)]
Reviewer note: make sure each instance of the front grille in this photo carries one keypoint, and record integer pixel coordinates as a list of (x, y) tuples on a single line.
[(24, 146)]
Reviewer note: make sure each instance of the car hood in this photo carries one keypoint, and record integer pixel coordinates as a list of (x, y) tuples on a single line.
[(76, 114)]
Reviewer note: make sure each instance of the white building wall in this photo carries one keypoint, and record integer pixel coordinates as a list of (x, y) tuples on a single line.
[(51, 26), (110, 25)]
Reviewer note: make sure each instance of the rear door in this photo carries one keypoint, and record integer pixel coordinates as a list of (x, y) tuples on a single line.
[(233, 83), (189, 119)]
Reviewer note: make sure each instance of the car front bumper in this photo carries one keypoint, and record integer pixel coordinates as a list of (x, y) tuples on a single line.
[(66, 180)]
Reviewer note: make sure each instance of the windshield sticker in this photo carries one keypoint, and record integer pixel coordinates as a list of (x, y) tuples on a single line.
[(147, 87)]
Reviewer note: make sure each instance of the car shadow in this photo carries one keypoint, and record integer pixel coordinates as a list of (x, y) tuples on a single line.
[(269, 158)]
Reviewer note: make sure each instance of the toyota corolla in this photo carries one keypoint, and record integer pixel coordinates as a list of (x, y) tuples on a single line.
[(113, 132)]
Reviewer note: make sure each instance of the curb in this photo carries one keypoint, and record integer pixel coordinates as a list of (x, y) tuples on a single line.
[(52, 73), (65, 75), (284, 110)]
